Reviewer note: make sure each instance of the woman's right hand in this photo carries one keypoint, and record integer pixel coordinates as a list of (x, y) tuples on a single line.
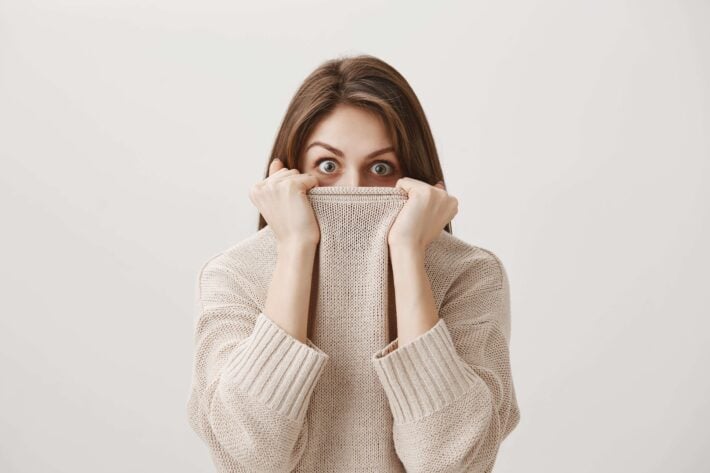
[(282, 201)]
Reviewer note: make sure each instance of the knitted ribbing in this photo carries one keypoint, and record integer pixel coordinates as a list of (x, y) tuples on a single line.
[(350, 399)]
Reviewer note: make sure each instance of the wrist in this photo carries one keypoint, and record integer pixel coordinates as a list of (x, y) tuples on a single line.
[(406, 252), (297, 245)]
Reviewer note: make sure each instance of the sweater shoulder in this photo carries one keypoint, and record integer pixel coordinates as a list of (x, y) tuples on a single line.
[(474, 285), (450, 259), (244, 266), (246, 252)]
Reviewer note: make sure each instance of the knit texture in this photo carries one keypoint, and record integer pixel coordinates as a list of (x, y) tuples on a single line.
[(351, 399)]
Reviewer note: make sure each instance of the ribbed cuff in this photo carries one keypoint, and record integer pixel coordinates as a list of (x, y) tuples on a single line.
[(424, 375), (276, 368)]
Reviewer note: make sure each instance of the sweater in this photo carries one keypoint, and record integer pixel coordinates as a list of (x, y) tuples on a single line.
[(350, 399)]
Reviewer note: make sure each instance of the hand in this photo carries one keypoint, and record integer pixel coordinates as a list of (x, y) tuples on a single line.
[(425, 214), (281, 199)]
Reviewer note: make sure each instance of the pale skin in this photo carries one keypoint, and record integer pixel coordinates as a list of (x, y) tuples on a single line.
[(354, 150)]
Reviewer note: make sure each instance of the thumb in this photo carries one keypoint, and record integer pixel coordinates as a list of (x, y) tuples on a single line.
[(275, 165)]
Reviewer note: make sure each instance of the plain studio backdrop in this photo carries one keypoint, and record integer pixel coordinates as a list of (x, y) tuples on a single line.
[(576, 136)]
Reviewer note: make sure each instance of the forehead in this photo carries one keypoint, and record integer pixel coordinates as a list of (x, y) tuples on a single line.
[(352, 130)]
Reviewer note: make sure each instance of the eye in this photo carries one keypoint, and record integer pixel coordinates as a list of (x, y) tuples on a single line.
[(330, 167), (380, 164)]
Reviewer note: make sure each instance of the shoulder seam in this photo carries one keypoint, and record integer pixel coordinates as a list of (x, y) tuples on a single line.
[(499, 265), (199, 277)]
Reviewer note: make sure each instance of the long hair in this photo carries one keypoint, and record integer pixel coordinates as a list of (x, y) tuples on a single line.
[(368, 82)]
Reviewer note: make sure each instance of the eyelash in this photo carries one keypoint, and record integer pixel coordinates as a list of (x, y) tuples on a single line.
[(390, 163)]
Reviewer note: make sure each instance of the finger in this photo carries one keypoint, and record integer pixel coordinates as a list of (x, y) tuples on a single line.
[(308, 180), (283, 173), (275, 165), (408, 183)]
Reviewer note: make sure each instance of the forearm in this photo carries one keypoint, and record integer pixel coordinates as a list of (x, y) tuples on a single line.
[(450, 388), (289, 292), (414, 300)]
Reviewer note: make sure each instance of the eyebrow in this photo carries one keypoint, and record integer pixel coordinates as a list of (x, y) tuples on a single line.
[(339, 153)]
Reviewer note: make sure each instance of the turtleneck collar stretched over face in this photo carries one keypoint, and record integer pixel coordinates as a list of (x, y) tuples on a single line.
[(352, 268), (355, 214)]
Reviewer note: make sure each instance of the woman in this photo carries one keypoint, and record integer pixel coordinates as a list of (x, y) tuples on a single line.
[(261, 384)]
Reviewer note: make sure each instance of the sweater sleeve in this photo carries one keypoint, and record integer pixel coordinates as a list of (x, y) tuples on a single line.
[(450, 390), (251, 380)]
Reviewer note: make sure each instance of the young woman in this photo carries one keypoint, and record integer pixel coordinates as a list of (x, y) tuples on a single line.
[(355, 123)]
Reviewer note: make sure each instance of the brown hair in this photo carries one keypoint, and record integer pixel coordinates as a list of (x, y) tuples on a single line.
[(368, 82)]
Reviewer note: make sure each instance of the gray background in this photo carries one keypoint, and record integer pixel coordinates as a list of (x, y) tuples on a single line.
[(575, 135)]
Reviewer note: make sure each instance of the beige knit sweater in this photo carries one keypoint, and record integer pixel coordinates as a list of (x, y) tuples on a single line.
[(351, 400)]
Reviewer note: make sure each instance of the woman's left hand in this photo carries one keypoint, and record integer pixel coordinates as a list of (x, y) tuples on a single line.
[(425, 214)]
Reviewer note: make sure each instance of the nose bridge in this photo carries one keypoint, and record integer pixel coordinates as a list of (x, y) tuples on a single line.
[(351, 177)]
